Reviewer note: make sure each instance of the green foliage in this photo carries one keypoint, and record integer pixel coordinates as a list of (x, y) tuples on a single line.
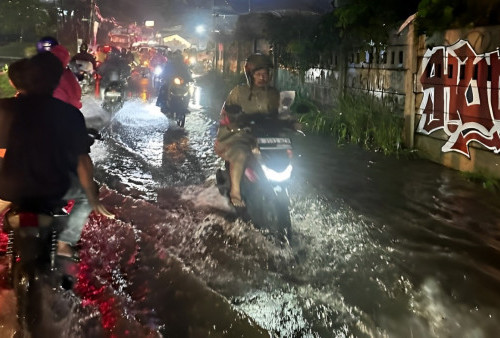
[(18, 49), (299, 39), (359, 119), (439, 15), (366, 20), (26, 18), (303, 106), (486, 181), (6, 90), (293, 39)]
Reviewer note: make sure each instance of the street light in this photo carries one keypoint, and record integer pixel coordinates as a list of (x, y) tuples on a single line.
[(200, 29)]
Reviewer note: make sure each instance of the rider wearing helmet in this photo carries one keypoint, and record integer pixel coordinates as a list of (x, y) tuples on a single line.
[(69, 89), (84, 55), (257, 96), (45, 44), (115, 68), (174, 67)]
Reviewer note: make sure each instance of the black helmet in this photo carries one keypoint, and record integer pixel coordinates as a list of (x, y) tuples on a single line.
[(84, 48), (114, 52), (255, 62), (45, 44)]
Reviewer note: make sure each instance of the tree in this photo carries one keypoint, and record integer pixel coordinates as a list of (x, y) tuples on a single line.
[(293, 38), (439, 15), (366, 21), (26, 18)]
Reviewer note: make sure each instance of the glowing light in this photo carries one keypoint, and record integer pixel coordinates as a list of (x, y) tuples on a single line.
[(200, 29), (275, 176)]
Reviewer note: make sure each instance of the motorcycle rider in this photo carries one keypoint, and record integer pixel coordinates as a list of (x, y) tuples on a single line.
[(46, 43), (113, 69), (84, 55), (46, 148), (257, 96), (69, 89), (127, 55), (157, 58), (174, 67)]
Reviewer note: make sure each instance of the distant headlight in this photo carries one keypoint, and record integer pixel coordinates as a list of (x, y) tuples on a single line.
[(178, 81), (158, 70), (275, 176)]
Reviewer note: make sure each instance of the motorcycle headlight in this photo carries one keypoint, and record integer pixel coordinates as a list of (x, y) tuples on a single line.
[(178, 81), (158, 70), (277, 176)]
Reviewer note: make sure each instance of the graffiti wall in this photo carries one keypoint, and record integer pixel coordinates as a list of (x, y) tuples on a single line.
[(461, 97)]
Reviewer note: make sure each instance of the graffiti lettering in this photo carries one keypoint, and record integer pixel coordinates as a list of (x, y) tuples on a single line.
[(461, 97)]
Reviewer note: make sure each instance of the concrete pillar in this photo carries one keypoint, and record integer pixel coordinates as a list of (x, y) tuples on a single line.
[(409, 82)]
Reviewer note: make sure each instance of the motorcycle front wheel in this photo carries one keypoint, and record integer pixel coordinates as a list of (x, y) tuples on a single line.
[(181, 120), (268, 209)]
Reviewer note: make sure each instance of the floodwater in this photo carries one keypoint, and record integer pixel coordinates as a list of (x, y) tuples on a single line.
[(381, 247)]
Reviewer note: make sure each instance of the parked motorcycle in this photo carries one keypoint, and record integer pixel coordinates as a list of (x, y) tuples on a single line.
[(174, 99), (264, 185)]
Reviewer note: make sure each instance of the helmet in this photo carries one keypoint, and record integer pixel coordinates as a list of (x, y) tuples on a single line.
[(84, 48), (46, 43), (114, 52), (255, 62)]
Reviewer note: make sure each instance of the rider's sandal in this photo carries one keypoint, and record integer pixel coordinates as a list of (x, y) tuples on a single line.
[(70, 252)]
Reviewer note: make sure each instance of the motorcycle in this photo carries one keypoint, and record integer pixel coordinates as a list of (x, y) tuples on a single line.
[(113, 96), (31, 253), (84, 72), (157, 76), (175, 100), (34, 272), (264, 185), (142, 69)]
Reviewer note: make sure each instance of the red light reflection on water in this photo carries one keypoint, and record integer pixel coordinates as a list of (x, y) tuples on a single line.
[(108, 257)]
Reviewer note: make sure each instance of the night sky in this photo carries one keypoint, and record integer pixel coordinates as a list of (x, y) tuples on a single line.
[(173, 10)]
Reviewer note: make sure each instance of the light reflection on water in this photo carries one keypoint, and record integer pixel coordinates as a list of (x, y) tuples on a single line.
[(381, 247)]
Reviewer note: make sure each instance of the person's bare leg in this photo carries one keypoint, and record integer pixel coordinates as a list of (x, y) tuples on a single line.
[(236, 172)]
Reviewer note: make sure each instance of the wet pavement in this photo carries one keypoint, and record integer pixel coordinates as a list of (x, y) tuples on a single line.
[(381, 247)]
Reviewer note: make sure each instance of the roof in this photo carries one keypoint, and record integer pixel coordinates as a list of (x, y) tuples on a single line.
[(176, 42)]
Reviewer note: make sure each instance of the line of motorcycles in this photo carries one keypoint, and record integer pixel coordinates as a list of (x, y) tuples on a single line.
[(264, 184), (173, 93)]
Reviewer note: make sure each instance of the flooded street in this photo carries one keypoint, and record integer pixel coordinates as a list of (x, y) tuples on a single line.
[(381, 247)]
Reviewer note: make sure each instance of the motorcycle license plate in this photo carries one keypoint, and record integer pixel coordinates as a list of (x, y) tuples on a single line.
[(274, 143)]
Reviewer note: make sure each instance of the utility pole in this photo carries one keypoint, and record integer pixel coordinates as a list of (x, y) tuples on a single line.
[(91, 22)]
